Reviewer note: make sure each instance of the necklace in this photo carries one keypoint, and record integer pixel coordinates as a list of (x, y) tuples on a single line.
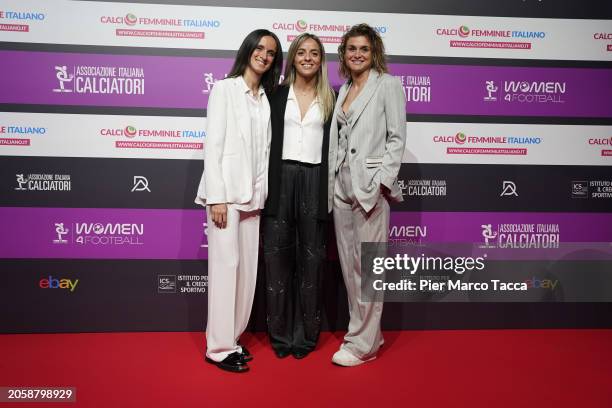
[(305, 92)]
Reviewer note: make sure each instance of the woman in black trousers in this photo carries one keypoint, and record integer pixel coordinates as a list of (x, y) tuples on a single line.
[(295, 214)]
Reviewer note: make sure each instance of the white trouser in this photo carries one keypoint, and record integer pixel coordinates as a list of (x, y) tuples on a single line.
[(232, 274)]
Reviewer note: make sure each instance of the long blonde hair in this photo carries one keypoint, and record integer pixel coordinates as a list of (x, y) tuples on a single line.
[(324, 91)]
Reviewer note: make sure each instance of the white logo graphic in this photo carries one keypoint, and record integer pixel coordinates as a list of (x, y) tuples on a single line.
[(209, 81), (205, 244), (102, 233), (60, 231), (43, 182), (402, 186), (422, 187), (508, 189), (140, 184), (63, 77), (491, 88), (580, 189), (488, 234), (21, 180), (166, 283)]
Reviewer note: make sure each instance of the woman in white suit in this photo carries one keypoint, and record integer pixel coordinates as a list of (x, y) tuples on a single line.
[(234, 188), (367, 138)]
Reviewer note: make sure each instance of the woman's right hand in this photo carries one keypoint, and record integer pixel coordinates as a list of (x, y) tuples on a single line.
[(218, 213)]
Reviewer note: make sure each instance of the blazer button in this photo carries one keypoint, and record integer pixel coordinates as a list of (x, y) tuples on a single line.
[(353, 151)]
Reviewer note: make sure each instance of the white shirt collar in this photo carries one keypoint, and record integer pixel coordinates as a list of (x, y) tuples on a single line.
[(246, 89), (293, 97)]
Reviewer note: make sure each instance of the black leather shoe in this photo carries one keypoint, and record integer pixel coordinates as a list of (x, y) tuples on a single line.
[(282, 353), (299, 354), (233, 363), (246, 355)]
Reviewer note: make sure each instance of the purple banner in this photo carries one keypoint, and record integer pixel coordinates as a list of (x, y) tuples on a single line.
[(103, 233), (181, 234), (108, 80), (185, 82), (501, 230), (506, 91)]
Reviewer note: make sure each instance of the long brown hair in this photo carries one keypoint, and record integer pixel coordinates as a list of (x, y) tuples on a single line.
[(378, 49), (324, 91), (269, 79)]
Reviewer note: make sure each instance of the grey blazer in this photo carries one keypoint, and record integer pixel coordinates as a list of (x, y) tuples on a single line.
[(377, 139)]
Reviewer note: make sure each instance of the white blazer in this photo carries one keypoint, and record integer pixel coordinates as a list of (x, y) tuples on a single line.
[(228, 176)]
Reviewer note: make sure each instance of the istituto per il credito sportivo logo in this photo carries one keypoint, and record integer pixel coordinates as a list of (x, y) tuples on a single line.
[(182, 284), (592, 189)]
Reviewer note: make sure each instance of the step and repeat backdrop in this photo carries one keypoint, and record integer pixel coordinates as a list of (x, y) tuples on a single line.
[(103, 128)]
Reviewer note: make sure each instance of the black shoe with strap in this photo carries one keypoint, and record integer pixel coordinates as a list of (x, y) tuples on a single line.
[(246, 355), (233, 363)]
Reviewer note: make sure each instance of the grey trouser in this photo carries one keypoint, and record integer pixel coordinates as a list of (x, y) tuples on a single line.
[(354, 226)]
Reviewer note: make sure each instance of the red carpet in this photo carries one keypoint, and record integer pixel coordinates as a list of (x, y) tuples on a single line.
[(479, 368)]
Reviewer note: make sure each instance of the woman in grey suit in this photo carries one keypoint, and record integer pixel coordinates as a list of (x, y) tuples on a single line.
[(367, 138)]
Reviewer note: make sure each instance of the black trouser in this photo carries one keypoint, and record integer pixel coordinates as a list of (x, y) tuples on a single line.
[(294, 249)]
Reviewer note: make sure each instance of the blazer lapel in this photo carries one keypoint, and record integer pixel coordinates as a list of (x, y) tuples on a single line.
[(364, 97), (283, 95), (341, 97), (278, 105), (333, 132), (241, 109), (338, 108), (266, 106)]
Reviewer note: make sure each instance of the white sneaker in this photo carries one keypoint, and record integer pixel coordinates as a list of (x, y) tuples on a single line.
[(346, 359)]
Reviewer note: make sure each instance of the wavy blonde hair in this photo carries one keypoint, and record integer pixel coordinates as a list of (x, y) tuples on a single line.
[(324, 91), (379, 62)]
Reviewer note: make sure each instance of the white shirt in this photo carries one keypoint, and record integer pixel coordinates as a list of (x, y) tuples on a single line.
[(259, 152), (303, 139)]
